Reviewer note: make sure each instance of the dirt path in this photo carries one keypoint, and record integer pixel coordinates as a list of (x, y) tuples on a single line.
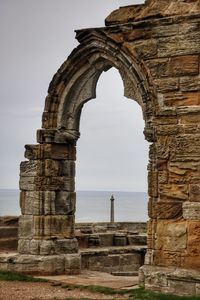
[(13, 290)]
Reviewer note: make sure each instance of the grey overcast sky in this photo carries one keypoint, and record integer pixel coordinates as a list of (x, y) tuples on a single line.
[(36, 38)]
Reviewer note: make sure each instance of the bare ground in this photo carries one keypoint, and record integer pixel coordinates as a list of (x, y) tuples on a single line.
[(12, 290)]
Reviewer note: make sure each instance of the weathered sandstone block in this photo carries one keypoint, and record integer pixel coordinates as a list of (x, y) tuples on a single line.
[(153, 183), (53, 183), (167, 258), (25, 227), (174, 191), (168, 209), (28, 168), (191, 210), (58, 226), (27, 183), (51, 151), (194, 193), (65, 202), (171, 236), (37, 202), (73, 264)]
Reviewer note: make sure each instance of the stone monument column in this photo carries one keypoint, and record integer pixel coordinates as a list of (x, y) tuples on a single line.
[(47, 200)]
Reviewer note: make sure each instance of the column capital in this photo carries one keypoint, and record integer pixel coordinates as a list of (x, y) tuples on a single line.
[(57, 136)]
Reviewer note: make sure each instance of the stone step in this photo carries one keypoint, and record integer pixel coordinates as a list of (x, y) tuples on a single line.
[(8, 244), (8, 231), (113, 259), (125, 273)]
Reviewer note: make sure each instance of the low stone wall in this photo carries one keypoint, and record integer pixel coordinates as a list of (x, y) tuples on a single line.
[(104, 234), (104, 247), (170, 280), (92, 227), (113, 259), (8, 233)]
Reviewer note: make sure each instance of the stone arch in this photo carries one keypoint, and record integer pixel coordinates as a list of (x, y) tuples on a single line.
[(48, 198), (75, 83)]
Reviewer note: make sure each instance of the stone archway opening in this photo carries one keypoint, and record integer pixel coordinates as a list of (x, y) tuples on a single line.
[(111, 155), (47, 240)]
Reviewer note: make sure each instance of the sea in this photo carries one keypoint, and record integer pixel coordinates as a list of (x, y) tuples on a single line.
[(91, 206)]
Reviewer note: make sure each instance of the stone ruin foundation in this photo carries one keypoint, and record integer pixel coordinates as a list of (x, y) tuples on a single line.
[(156, 49)]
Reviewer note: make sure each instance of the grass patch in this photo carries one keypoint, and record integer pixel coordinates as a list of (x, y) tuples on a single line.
[(134, 294), (141, 294), (13, 276), (79, 299), (97, 289)]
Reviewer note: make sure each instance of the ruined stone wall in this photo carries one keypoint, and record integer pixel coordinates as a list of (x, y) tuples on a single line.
[(169, 50), (47, 200)]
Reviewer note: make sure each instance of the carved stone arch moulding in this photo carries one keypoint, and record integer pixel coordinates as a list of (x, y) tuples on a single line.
[(75, 83)]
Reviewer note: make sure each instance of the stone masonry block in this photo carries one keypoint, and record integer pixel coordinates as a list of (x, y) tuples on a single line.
[(51, 167), (153, 183), (194, 192), (174, 191), (53, 264), (47, 247), (27, 183), (193, 237), (28, 168), (191, 210), (25, 227), (171, 236), (27, 246), (50, 151), (54, 183), (167, 130), (190, 261), (65, 202), (145, 49), (68, 168), (24, 246), (55, 168), (183, 45), (167, 258), (177, 99), (72, 263), (66, 246), (132, 260), (37, 202), (151, 233), (57, 226), (168, 209), (174, 67), (186, 288), (58, 246), (190, 83), (184, 65), (186, 146), (152, 208), (166, 85), (35, 247)]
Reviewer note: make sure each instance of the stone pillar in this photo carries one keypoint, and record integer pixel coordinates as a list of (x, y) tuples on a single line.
[(47, 200), (112, 211)]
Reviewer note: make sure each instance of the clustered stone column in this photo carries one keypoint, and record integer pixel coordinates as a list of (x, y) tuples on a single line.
[(46, 226)]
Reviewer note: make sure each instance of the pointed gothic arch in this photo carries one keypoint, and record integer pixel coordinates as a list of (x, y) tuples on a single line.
[(75, 83)]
